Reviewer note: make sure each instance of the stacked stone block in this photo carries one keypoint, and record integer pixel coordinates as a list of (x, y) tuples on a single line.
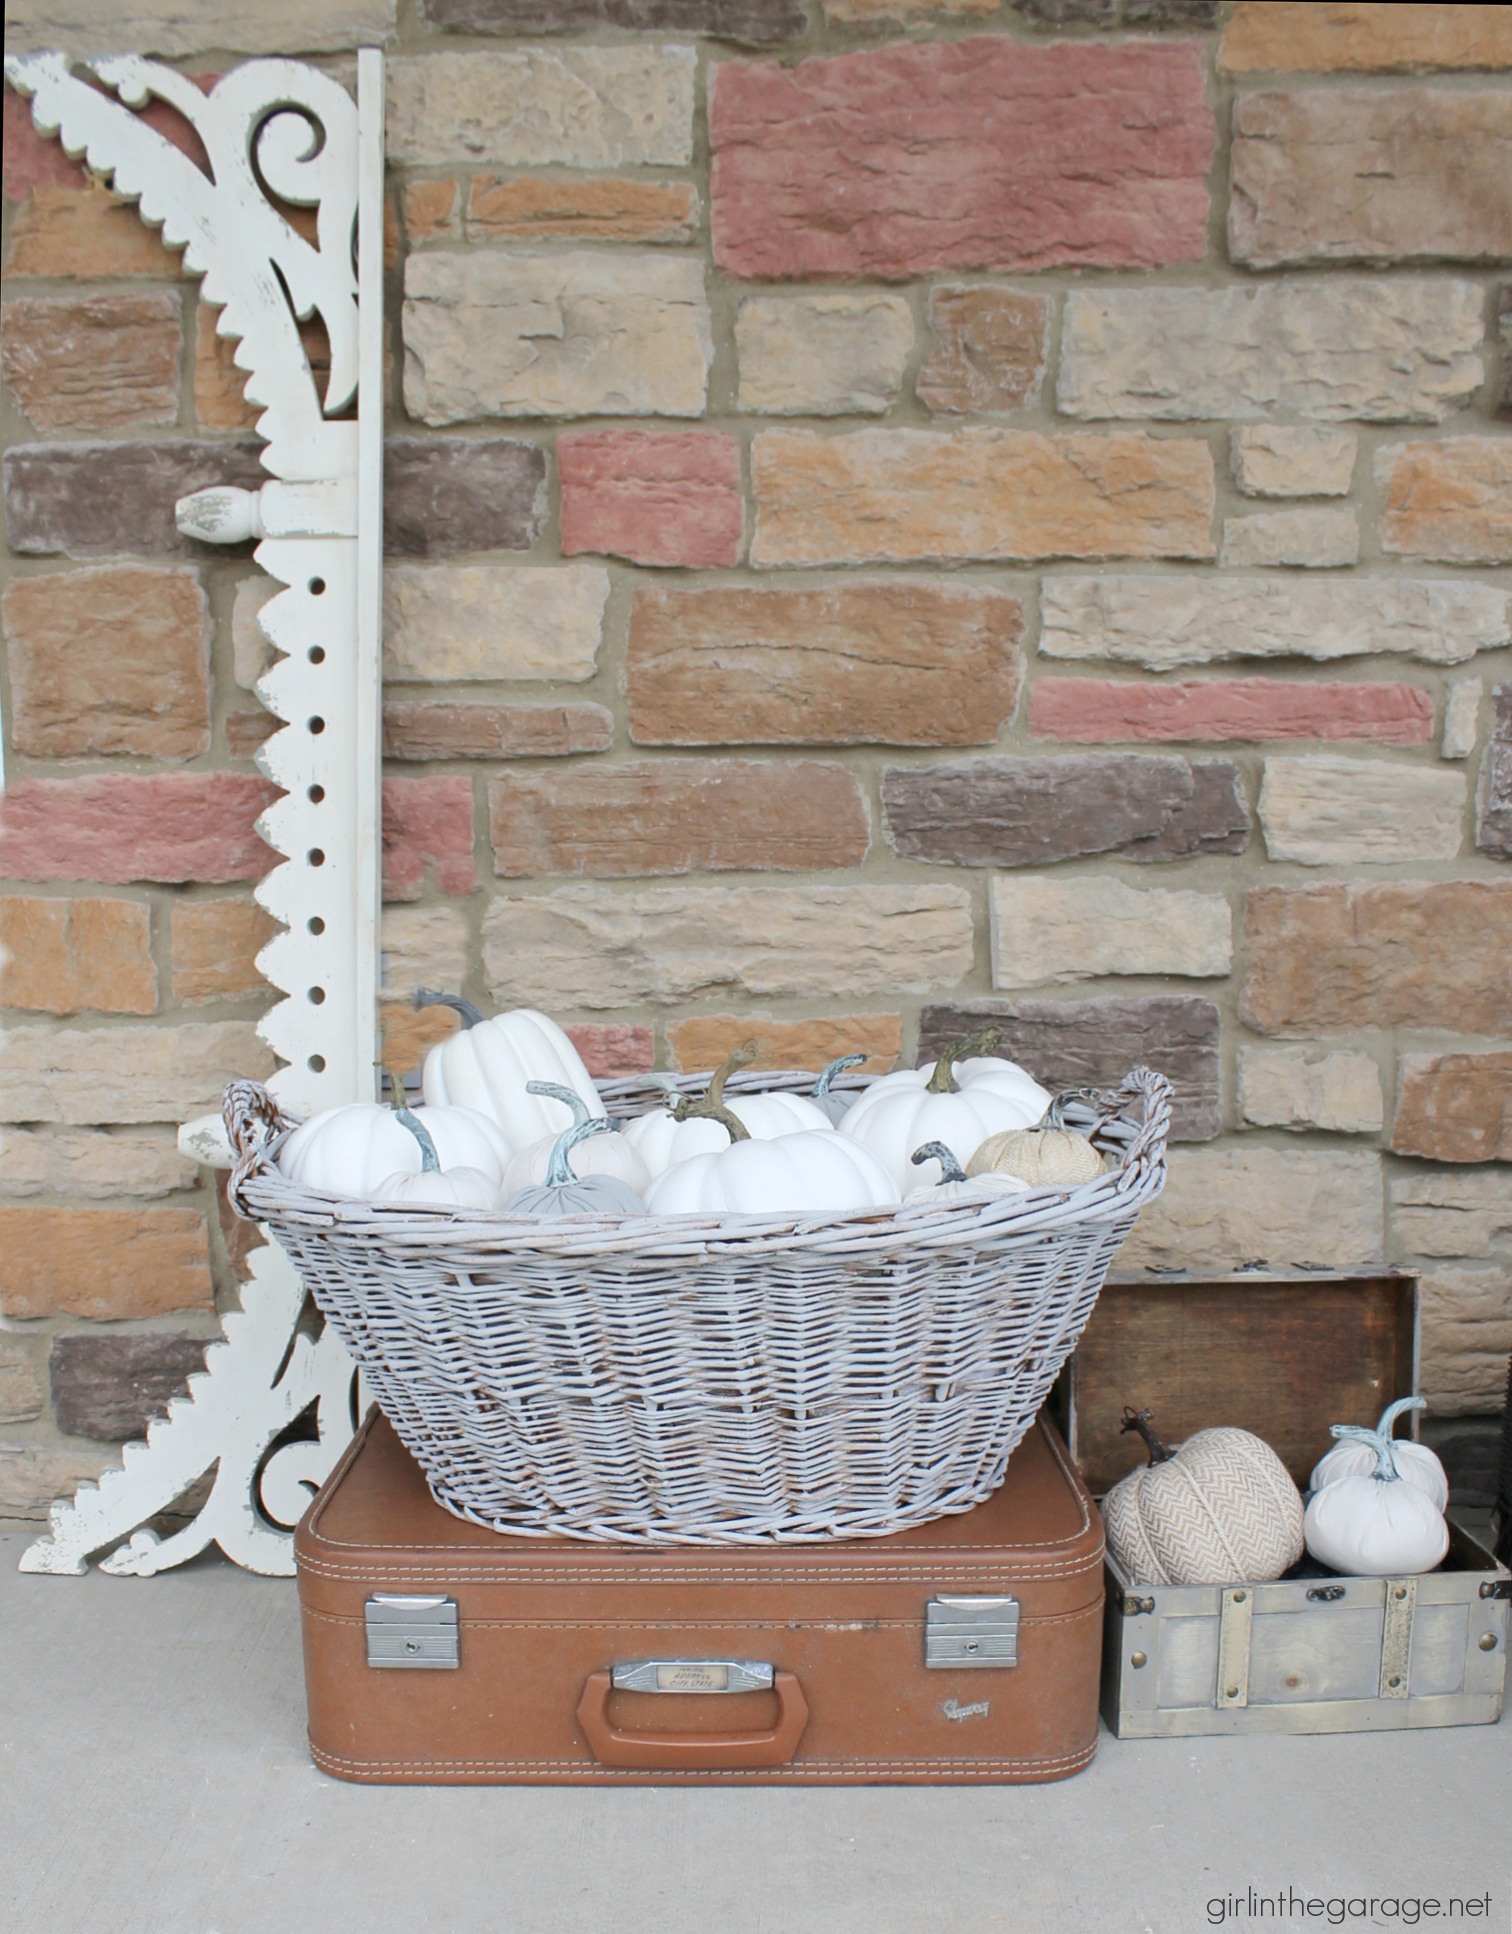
[(898, 514)]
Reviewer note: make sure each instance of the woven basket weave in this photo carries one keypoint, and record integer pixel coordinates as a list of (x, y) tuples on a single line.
[(712, 1379)]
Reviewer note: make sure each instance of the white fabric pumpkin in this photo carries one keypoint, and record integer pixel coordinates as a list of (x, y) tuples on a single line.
[(607, 1153), (1357, 1457), (1219, 1509), (1375, 1525), (489, 1065), (349, 1151), (958, 1103), (815, 1172), (1047, 1156), (438, 1188), (958, 1186)]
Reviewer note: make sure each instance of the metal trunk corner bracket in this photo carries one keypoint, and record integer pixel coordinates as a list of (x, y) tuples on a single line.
[(275, 1405)]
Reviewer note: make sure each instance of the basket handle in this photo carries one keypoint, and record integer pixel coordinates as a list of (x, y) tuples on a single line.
[(255, 1126), (691, 1752), (1155, 1128)]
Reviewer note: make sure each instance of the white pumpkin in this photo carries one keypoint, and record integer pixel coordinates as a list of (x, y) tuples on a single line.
[(466, 1139), (349, 1151), (958, 1186), (606, 1153), (1375, 1526), (489, 1065), (662, 1141), (816, 1172), (666, 1137), (565, 1194), (957, 1102), (438, 1188), (1355, 1456)]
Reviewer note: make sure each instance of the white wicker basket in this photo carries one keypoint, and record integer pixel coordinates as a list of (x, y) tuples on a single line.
[(712, 1379)]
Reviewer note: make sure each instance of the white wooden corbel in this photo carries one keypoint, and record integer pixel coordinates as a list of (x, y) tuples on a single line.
[(275, 132)]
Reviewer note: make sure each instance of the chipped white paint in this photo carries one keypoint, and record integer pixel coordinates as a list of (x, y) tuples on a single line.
[(320, 525)]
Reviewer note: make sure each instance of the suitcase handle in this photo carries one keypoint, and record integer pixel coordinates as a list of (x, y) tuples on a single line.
[(691, 1752)]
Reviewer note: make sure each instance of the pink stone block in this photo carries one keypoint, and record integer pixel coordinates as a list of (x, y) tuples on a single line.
[(119, 827), (971, 154), (1098, 711), (611, 1048), (33, 160), (651, 498), (427, 823)]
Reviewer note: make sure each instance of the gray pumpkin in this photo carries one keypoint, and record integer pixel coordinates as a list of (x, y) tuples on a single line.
[(563, 1193)]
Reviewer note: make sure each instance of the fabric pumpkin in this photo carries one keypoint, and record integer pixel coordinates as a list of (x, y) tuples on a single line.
[(1353, 1456), (960, 1102), (958, 1186), (563, 1193), (1375, 1525), (603, 1154), (489, 1066), (1047, 1156), (1219, 1509)]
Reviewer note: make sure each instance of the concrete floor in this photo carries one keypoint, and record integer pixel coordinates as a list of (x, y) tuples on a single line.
[(153, 1780)]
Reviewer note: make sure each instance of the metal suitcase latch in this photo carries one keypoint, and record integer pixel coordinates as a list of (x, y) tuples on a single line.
[(419, 1634), (692, 1675), (964, 1632)]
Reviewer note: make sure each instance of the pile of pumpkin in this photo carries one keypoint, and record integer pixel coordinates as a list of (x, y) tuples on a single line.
[(1222, 1508), (511, 1121)]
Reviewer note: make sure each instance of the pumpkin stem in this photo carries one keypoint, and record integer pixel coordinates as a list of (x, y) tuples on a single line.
[(943, 1081), (430, 1162), (568, 1096), (560, 1171), (710, 1106), (1389, 1415), (938, 1152), (1140, 1420), (1385, 1471), (822, 1085), (425, 998), (1054, 1117)]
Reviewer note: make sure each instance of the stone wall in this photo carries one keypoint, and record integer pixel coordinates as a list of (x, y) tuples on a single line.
[(897, 514)]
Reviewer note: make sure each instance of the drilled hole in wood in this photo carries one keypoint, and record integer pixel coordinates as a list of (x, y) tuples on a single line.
[(316, 857), (316, 1064), (317, 726), (317, 587), (317, 654), (315, 795), (317, 925), (317, 996)]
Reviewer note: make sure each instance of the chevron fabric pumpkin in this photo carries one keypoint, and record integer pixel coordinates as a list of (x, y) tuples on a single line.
[(1219, 1509)]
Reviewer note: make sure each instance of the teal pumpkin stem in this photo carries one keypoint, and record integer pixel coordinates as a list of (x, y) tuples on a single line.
[(430, 1162), (938, 1152), (569, 1097), (822, 1085), (1054, 1116), (561, 1171), (1385, 1471), (424, 997), (1389, 1415)]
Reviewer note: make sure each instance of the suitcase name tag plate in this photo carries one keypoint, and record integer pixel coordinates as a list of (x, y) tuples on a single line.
[(961, 1633), (412, 1634), (692, 1675)]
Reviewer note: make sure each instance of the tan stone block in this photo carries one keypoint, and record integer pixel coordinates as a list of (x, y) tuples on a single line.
[(85, 235), (92, 1163), (623, 106), (1451, 1215), (706, 1039), (432, 209), (20, 1386), (602, 208), (484, 621), (1462, 704), (251, 652), (1363, 174), (125, 1074), (1348, 347), (822, 354), (1466, 1325), (1292, 460), (1450, 499), (1229, 1208), (1162, 622), (1327, 809), (93, 362), (57, 956), (989, 349), (407, 1034), (583, 332), (677, 816), (420, 729), (103, 1263), (32, 1475), (1311, 1088), (1454, 1107), (215, 948), (1082, 926), (189, 26), (1410, 953), (1316, 539), (892, 662), (900, 496), (591, 947), (112, 658), (424, 947), (1338, 37)]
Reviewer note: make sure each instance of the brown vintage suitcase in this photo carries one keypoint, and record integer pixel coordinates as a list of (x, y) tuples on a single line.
[(440, 1652)]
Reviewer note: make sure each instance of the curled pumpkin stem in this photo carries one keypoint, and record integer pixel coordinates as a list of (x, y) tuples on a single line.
[(1386, 1471), (822, 1085), (561, 1172), (710, 1106), (1140, 1420), (569, 1097), (430, 1162), (1054, 1115), (946, 1157), (943, 1081), (425, 997), (1386, 1424)]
